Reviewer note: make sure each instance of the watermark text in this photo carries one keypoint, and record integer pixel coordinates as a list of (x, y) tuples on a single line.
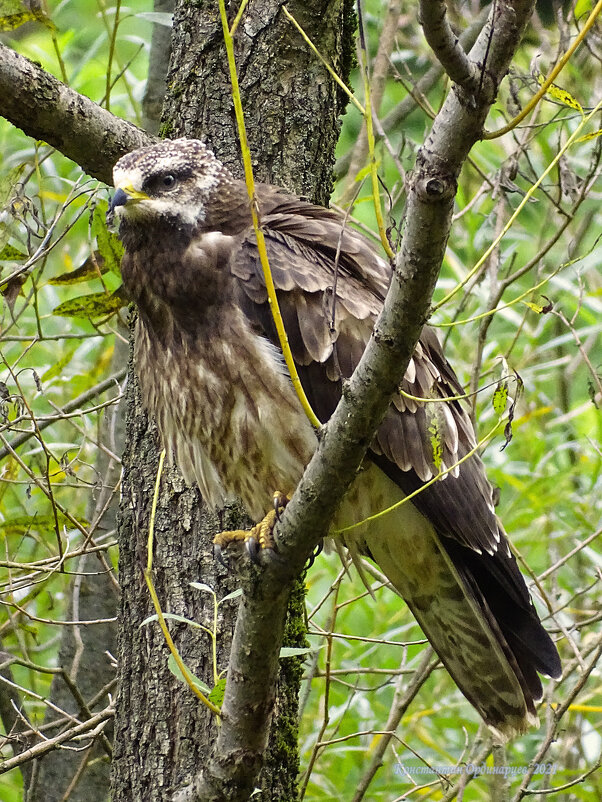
[(476, 769)]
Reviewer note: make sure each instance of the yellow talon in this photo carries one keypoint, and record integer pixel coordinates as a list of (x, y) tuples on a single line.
[(259, 537)]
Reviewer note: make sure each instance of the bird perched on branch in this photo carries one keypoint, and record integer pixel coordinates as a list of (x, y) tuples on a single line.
[(212, 373)]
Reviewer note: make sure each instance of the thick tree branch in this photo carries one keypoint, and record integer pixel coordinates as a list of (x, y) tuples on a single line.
[(344, 440), (46, 109), (446, 45)]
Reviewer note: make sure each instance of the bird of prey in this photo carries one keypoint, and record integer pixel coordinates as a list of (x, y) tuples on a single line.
[(212, 373)]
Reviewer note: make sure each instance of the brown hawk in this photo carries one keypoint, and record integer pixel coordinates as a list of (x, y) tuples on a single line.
[(212, 374)]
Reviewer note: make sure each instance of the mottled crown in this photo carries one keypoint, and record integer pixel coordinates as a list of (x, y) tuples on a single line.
[(179, 181), (176, 155)]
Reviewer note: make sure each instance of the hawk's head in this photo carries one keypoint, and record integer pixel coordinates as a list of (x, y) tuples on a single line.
[(172, 183)]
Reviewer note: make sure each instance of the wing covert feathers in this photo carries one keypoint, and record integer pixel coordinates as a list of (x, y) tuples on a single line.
[(479, 616)]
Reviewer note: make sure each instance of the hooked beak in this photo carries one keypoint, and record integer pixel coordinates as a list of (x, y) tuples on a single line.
[(123, 195)]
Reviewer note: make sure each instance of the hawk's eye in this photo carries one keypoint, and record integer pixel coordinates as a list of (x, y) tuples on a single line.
[(168, 181)]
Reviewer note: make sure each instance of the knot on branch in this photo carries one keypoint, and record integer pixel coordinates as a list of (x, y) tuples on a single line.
[(434, 188)]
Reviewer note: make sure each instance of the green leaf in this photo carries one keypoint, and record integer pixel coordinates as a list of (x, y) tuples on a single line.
[(500, 398), (172, 617), (361, 174), (22, 524), (582, 7), (97, 304), (10, 254), (234, 595), (91, 269), (109, 246), (175, 670), (57, 368), (217, 693)]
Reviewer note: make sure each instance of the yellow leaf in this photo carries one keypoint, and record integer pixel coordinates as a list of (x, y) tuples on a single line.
[(534, 307), (561, 95), (435, 437), (500, 398), (586, 137), (374, 742)]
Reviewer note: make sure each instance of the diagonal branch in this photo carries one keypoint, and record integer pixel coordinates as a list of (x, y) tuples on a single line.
[(344, 440), (71, 406), (46, 109)]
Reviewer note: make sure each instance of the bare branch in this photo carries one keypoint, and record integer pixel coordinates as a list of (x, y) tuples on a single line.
[(70, 407), (404, 694), (409, 104), (44, 108), (97, 723), (446, 45)]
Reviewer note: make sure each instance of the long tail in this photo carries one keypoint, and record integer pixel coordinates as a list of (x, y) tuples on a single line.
[(474, 608)]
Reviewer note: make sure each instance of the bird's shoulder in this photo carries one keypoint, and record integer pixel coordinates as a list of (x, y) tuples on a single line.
[(312, 250)]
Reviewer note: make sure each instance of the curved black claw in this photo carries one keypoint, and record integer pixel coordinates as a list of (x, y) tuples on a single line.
[(252, 547), (218, 554), (279, 501)]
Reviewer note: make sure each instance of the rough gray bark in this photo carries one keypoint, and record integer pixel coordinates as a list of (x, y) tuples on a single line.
[(163, 735), (290, 101), (160, 724)]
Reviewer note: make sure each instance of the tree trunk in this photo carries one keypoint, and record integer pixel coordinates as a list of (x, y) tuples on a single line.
[(292, 107)]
